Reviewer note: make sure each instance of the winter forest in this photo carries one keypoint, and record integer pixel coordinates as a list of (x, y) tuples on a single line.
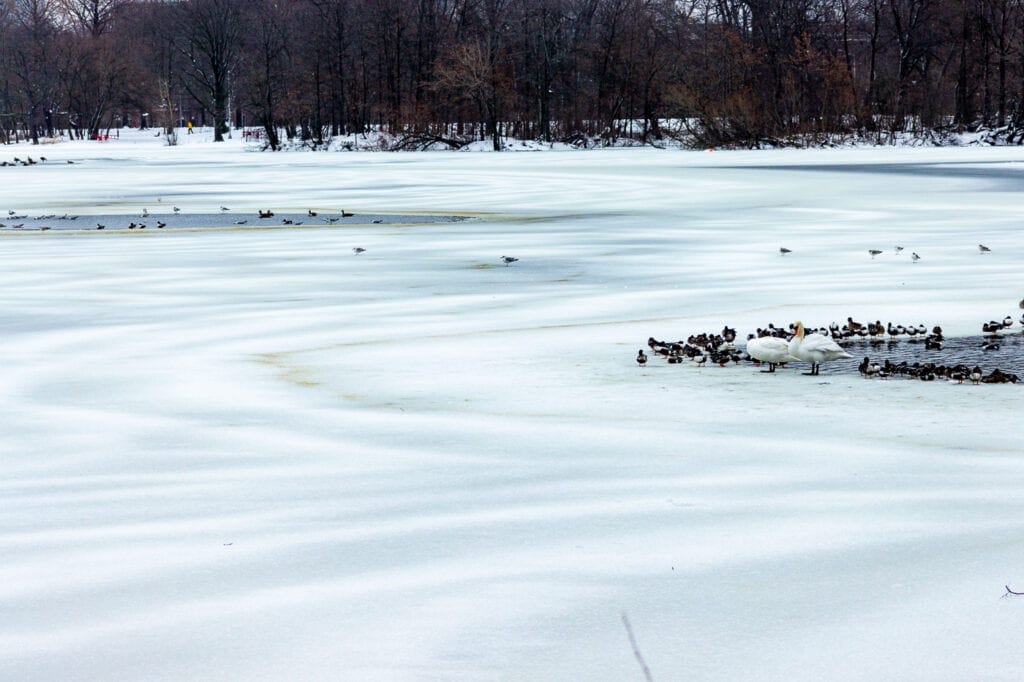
[(713, 72)]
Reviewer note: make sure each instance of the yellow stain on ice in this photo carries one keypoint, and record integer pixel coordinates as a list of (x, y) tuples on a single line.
[(289, 372)]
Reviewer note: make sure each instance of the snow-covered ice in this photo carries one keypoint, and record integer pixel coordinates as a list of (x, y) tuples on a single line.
[(257, 455)]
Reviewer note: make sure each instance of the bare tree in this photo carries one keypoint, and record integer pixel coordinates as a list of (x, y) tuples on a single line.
[(92, 16), (211, 44), (265, 73), (31, 63)]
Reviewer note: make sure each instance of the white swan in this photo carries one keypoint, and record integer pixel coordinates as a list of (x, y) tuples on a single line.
[(814, 348), (771, 350)]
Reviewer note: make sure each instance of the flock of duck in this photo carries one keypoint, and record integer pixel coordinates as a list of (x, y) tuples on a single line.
[(774, 346)]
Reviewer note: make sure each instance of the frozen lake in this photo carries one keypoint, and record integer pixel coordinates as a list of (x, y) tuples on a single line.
[(254, 454)]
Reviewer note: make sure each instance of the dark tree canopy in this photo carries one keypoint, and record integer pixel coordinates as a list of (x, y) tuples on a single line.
[(722, 72)]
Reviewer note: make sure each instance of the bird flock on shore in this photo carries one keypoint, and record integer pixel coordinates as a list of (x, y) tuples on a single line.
[(776, 346), (27, 161), (914, 257), (16, 221)]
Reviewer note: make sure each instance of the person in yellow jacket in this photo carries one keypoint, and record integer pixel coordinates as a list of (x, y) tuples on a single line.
[(190, 127)]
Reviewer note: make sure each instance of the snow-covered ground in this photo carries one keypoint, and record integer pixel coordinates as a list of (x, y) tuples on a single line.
[(257, 455)]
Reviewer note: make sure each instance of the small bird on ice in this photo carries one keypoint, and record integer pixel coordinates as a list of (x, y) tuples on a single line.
[(783, 250), (983, 248), (508, 260), (145, 213), (898, 249), (914, 257), (312, 213), (177, 210), (641, 358), (224, 208), (873, 252), (358, 250)]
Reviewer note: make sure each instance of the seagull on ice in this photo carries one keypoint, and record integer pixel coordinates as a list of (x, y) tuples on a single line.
[(914, 257), (508, 260), (224, 208), (358, 250), (177, 210), (898, 249), (873, 252), (983, 248), (783, 250)]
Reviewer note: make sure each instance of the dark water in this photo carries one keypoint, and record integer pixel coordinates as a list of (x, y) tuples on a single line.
[(224, 219), (962, 350), (1002, 174)]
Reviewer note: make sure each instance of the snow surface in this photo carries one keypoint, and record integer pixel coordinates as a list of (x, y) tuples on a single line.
[(256, 455)]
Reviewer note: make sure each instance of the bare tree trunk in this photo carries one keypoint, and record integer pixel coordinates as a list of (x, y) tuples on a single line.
[(213, 33)]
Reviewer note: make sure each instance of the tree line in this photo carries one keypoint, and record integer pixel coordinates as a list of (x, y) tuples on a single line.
[(719, 72)]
